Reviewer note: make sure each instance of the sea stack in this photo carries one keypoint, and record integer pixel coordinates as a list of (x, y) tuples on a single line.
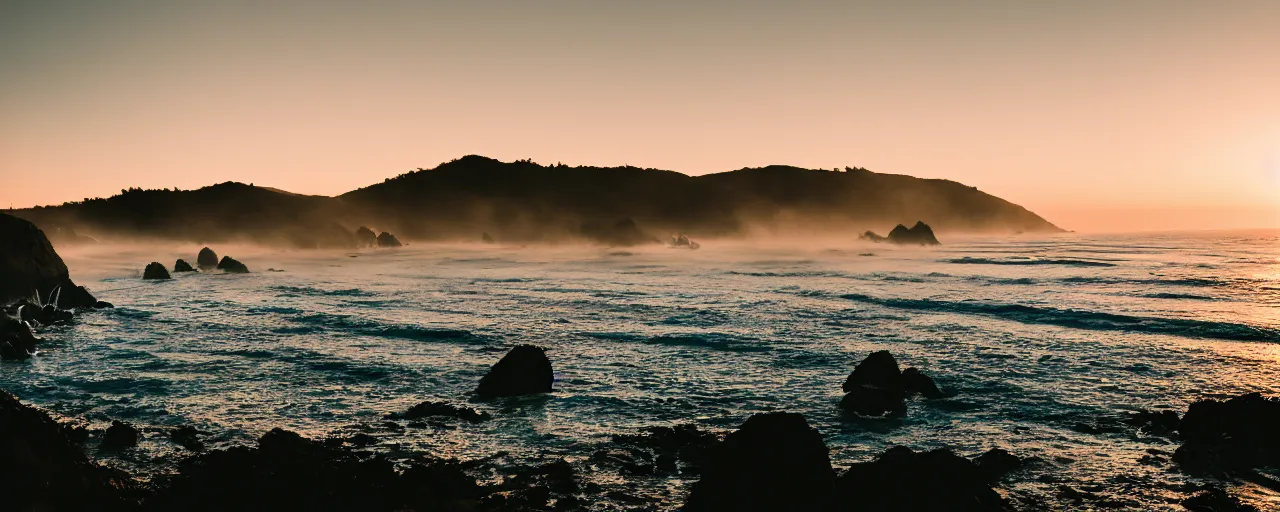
[(182, 266), (366, 238), (155, 270), (919, 234), (877, 388), (29, 266), (388, 240), (525, 370), (207, 259)]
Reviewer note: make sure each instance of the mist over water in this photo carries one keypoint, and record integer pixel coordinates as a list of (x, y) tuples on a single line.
[(1035, 335)]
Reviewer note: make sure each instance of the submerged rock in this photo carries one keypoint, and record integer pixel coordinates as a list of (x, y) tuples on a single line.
[(119, 435), (187, 437), (207, 259), (365, 237), (43, 469), (231, 266), (386, 239), (31, 270), (182, 266), (155, 270), (774, 461), (430, 409), (1226, 436), (877, 388), (668, 450), (919, 234), (524, 370), (902, 479)]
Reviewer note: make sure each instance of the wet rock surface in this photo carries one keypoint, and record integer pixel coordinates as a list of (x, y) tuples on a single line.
[(1223, 437), (524, 370)]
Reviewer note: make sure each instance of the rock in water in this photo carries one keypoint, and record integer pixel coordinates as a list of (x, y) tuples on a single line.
[(875, 387), (119, 435), (207, 259), (43, 469), (182, 266), (155, 270), (231, 266), (366, 238), (525, 370), (1232, 435), (431, 409), (388, 240), (774, 461), (915, 382), (919, 234), (29, 266), (16, 340), (902, 479)]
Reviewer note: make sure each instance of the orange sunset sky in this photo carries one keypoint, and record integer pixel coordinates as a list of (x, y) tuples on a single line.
[(1098, 115)]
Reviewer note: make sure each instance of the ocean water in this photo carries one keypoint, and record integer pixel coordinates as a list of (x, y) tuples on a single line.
[(1033, 335)]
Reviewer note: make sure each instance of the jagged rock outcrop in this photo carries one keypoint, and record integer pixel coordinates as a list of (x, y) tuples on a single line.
[(155, 270), (16, 340), (919, 234), (43, 469), (365, 237), (386, 239), (525, 370), (1222, 437), (876, 387), (182, 266), (207, 259), (774, 461), (903, 479), (30, 269), (232, 266)]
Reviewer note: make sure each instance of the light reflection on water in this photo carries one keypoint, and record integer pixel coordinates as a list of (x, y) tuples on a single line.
[(656, 336)]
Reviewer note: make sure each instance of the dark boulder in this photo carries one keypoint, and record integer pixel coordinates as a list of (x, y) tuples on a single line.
[(1214, 499), (365, 237), (119, 435), (1162, 423), (386, 239), (524, 370), (16, 340), (1239, 434), (207, 259), (877, 388), (187, 437), (231, 266), (30, 269), (668, 450), (182, 266), (919, 234), (155, 270), (43, 469), (997, 462), (905, 480), (916, 382), (431, 409), (774, 461)]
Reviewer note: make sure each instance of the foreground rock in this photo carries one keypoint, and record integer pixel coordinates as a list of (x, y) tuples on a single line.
[(774, 461), (182, 266), (119, 435), (30, 269), (231, 266), (42, 469), (1236, 435), (155, 270), (902, 479), (207, 259), (16, 340), (386, 239), (877, 388), (525, 370), (919, 234)]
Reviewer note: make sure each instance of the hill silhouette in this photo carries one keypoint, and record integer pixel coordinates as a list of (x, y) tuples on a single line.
[(525, 201)]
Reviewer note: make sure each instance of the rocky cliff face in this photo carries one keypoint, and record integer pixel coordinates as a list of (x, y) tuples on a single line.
[(30, 267)]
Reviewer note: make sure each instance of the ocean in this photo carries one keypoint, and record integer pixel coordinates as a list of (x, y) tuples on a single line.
[(1035, 336)]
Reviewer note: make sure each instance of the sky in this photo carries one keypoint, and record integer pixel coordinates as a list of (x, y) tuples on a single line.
[(1098, 115)]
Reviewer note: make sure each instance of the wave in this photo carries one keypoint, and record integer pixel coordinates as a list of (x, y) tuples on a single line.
[(712, 341), (1178, 296), (967, 260), (810, 273), (1184, 281), (367, 327), (307, 290), (1079, 319)]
